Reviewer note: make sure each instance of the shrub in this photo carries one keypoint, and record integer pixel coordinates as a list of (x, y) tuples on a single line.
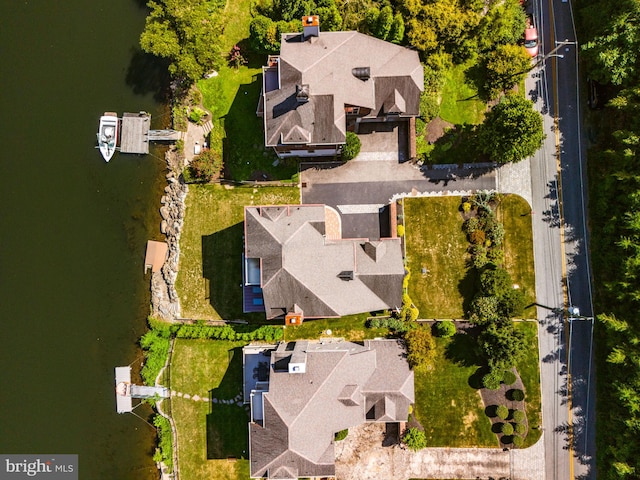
[(520, 428), (196, 114), (342, 434), (508, 377), (445, 328), (492, 380), (206, 166), (496, 233), (516, 395), (518, 416), (471, 225), (507, 429), (420, 346), (401, 230), (352, 146), (414, 439), (466, 207), (477, 237), (502, 412), (479, 256), (180, 120), (483, 309), (517, 441), (165, 445)]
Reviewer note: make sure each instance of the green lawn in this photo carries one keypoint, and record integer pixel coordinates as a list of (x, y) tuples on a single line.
[(211, 246), (232, 97), (208, 433), (529, 371), (435, 241), (515, 214), (458, 106), (451, 411), (350, 328)]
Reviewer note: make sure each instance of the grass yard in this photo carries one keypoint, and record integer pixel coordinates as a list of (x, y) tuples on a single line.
[(232, 97), (211, 246), (208, 433), (529, 371), (436, 242), (457, 105), (351, 328), (515, 214), (451, 411)]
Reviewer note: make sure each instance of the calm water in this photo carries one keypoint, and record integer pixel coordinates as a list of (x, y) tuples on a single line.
[(73, 229)]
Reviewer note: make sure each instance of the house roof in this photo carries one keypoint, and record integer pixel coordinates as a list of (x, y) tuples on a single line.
[(303, 411), (320, 275), (330, 68)]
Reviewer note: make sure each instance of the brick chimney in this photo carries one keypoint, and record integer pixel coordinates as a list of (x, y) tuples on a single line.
[(311, 26)]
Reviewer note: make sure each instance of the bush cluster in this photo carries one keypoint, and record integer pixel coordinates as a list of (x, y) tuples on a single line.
[(268, 333), (391, 323)]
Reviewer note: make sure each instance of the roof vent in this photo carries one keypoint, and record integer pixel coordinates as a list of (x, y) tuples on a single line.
[(346, 275), (302, 93), (362, 73)]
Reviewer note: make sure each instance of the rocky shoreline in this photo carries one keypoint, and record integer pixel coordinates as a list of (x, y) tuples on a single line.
[(165, 303)]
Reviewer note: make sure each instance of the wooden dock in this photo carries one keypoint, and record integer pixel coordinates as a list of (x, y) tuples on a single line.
[(135, 133)]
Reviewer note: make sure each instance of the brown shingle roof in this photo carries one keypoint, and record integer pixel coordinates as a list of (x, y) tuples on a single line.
[(341, 383)]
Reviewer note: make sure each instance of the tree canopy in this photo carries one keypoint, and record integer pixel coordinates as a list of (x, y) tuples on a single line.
[(511, 131), (187, 33)]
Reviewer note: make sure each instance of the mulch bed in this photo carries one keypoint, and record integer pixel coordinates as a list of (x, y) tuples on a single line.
[(493, 398)]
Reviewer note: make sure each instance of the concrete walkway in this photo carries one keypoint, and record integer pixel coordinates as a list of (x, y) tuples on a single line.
[(360, 456)]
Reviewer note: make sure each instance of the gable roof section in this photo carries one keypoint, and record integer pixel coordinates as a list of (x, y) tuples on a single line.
[(309, 408), (331, 66), (323, 277)]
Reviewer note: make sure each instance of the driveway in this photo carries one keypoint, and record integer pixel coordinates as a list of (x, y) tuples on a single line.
[(360, 188), (361, 456)]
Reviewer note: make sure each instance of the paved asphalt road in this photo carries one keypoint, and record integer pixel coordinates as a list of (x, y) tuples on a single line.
[(561, 248)]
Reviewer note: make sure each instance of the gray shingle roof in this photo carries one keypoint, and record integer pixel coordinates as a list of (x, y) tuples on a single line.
[(325, 65), (343, 380), (324, 278)]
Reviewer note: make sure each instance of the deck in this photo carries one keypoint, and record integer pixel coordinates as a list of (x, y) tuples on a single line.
[(134, 137)]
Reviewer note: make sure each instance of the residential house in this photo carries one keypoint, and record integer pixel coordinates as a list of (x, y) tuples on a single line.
[(315, 390), (297, 265), (325, 83)]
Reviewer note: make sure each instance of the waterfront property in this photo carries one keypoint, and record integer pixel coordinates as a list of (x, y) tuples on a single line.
[(297, 265), (303, 393), (324, 84)]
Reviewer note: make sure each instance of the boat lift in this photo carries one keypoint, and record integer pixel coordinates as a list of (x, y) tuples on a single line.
[(126, 391)]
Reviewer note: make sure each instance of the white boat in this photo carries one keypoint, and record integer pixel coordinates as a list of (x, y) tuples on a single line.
[(108, 135)]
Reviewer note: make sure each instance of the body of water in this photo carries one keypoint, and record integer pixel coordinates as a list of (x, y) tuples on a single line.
[(73, 295)]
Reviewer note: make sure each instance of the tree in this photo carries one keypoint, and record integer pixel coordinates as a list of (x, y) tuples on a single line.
[(396, 35), (503, 24), (420, 346), (330, 18), (414, 439), (384, 23), (511, 131), (352, 146), (501, 345), (484, 309), (511, 303), (187, 35), (502, 68), (263, 35), (495, 281)]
